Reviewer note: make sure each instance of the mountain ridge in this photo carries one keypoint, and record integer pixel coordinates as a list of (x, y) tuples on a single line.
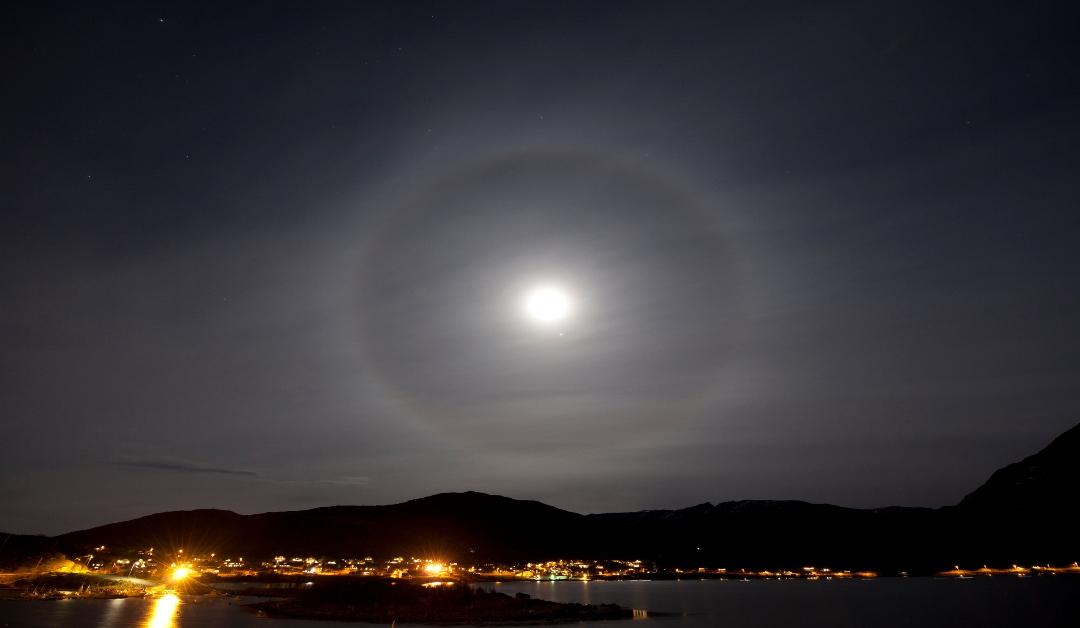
[(1034, 483), (1001, 520)]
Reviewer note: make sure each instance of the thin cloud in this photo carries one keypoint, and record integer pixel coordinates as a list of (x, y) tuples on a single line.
[(182, 467)]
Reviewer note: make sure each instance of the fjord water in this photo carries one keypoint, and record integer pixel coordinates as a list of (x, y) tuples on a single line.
[(882, 603), (878, 603)]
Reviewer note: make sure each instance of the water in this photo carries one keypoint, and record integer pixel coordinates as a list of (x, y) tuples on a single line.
[(883, 603), (879, 603)]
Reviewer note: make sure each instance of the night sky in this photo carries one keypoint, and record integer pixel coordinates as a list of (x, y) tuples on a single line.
[(273, 256)]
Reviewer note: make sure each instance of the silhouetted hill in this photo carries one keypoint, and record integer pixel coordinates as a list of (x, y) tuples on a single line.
[(23, 551), (1045, 483), (475, 525), (1017, 516), (768, 534), (1027, 510)]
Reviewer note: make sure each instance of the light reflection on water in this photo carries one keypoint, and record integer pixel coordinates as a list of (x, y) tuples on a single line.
[(114, 610), (163, 613)]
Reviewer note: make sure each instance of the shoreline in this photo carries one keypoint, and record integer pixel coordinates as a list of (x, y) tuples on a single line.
[(442, 603)]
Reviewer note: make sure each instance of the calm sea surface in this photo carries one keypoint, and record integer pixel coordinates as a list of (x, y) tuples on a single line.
[(886, 602)]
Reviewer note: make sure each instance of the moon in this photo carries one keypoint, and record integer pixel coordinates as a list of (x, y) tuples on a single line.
[(547, 305)]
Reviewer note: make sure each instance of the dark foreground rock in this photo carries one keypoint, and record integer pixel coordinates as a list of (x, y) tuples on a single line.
[(450, 603)]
